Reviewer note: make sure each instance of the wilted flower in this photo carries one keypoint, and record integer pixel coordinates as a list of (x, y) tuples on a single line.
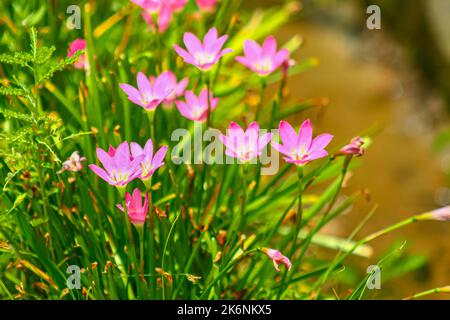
[(353, 148), (149, 163), (301, 149), (206, 5), (244, 145), (136, 210), (197, 108), (73, 164), (441, 214), (178, 87), (263, 60), (74, 46), (149, 94), (203, 55), (119, 167), (277, 258)]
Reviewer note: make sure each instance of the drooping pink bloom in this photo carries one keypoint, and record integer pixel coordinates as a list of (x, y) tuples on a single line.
[(73, 164), (177, 5), (164, 17), (204, 55), (178, 87), (136, 210), (277, 257), (244, 145), (119, 167), (149, 95), (197, 108), (149, 163), (206, 5), (353, 148), (301, 148), (263, 60), (74, 46), (441, 214), (161, 9)]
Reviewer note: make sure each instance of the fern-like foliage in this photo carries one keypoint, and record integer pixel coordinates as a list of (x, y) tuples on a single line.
[(8, 91), (60, 66), (38, 59)]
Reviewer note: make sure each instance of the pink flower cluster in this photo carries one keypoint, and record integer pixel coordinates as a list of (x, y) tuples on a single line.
[(122, 165), (130, 161)]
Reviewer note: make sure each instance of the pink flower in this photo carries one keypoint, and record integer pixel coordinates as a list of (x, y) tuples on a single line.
[(442, 214), (263, 60), (162, 9), (135, 209), (301, 149), (149, 95), (177, 5), (203, 55), (149, 162), (196, 108), (74, 46), (353, 148), (164, 17), (119, 167), (206, 5), (244, 145), (178, 88), (277, 258), (73, 164)]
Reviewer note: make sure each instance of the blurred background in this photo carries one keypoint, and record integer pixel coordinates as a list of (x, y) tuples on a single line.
[(396, 81)]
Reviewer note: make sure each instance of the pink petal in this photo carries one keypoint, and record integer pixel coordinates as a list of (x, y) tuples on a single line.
[(105, 159), (184, 109), (131, 91), (252, 49), (148, 149), (316, 155), (321, 141), (101, 173), (281, 148), (210, 37), (264, 140), (287, 134), (269, 47), (122, 156), (183, 53), (159, 156), (192, 43), (305, 135), (243, 60), (191, 99), (144, 84)]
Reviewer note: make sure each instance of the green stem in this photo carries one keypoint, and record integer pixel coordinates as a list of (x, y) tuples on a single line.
[(261, 101), (341, 181), (224, 270), (164, 255), (151, 122), (299, 213), (208, 88), (445, 289), (244, 197), (297, 227)]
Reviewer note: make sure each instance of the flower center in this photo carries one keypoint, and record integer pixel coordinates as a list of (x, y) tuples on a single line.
[(264, 65), (203, 57), (119, 176), (147, 167)]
